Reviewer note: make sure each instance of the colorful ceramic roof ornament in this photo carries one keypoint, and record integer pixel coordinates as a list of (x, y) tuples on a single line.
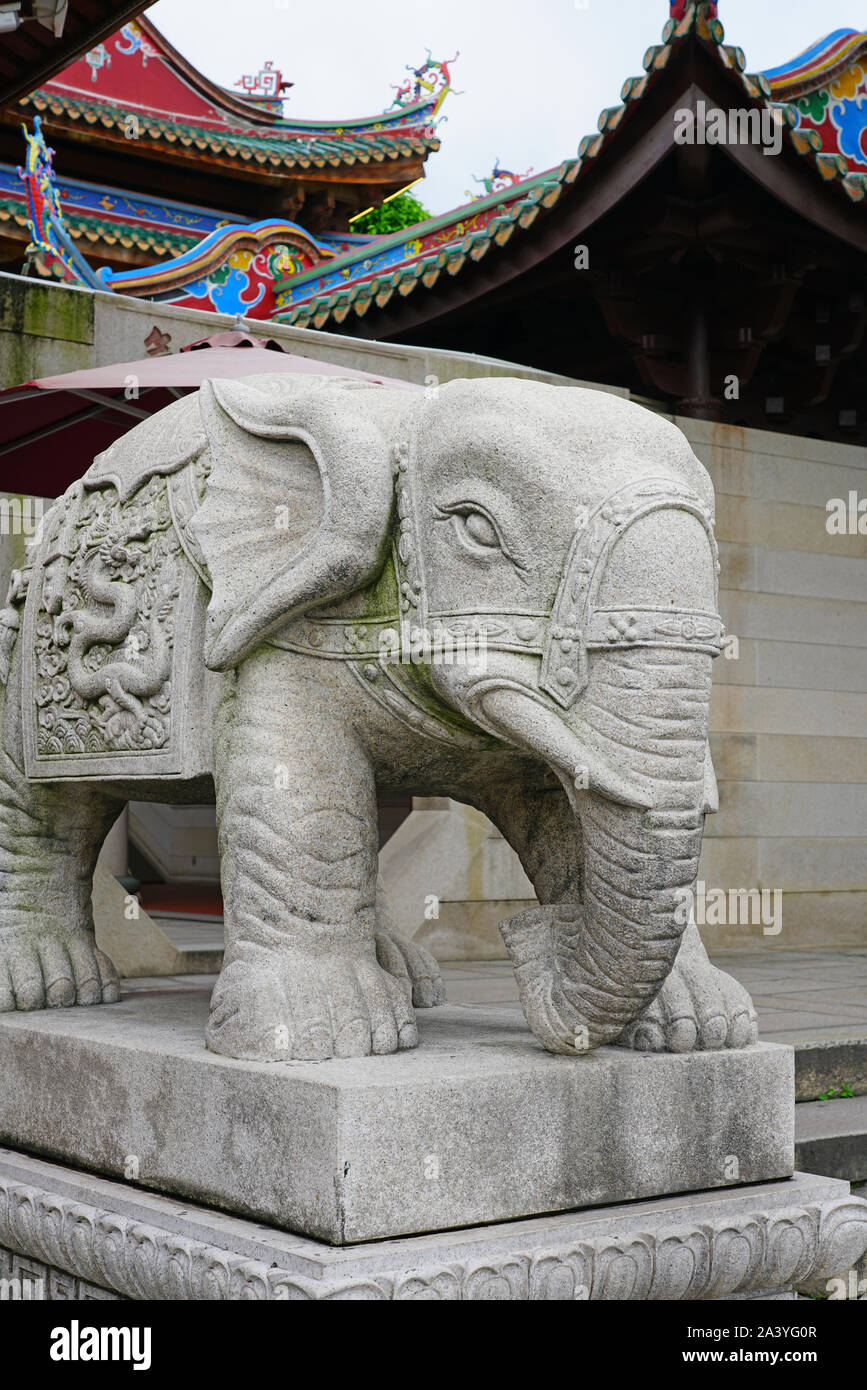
[(431, 79), (265, 87), (499, 180), (678, 9), (49, 238), (827, 86)]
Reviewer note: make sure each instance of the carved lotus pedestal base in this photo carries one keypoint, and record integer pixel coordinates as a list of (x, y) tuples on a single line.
[(477, 1125), (68, 1235)]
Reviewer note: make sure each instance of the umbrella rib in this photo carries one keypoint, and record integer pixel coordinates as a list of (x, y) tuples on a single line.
[(108, 403)]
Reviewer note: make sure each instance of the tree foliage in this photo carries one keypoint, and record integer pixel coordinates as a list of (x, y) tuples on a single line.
[(402, 211)]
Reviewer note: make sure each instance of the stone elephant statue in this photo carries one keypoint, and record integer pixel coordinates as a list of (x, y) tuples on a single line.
[(282, 593)]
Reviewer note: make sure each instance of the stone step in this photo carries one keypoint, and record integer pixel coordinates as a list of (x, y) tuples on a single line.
[(829, 1063), (831, 1138)]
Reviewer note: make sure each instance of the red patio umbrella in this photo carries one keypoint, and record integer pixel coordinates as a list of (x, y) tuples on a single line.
[(52, 428)]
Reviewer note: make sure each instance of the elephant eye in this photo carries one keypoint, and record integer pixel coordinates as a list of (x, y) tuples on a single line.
[(474, 528), (479, 533), (481, 529)]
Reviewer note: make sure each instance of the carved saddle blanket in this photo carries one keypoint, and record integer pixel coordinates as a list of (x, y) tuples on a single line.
[(112, 620)]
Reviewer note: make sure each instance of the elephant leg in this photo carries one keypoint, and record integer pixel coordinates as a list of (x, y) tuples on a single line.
[(406, 960), (698, 1006), (50, 838), (542, 830), (297, 822)]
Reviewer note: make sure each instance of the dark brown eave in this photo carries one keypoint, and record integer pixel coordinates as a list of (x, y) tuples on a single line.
[(31, 55), (322, 198)]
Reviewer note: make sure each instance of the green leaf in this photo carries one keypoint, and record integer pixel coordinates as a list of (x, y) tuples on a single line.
[(393, 216)]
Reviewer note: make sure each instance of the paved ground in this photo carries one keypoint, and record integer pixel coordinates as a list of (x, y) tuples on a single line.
[(821, 995), (805, 994), (799, 995)]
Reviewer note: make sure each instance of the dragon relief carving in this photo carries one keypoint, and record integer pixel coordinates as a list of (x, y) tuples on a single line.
[(104, 633)]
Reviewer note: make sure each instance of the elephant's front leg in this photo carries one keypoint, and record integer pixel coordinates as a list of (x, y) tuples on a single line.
[(297, 820), (697, 1008)]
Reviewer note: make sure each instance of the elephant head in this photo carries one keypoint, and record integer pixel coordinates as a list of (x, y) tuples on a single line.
[(571, 532), (576, 530)]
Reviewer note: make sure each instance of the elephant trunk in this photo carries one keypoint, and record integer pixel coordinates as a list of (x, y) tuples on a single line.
[(587, 969)]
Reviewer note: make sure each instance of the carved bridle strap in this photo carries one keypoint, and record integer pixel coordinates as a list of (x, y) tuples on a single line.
[(578, 625)]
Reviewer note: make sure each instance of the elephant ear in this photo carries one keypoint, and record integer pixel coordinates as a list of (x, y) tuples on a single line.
[(298, 500)]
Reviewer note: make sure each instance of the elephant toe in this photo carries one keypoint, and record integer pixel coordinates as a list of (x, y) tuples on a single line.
[(714, 1033), (682, 1035), (698, 1009), (46, 968), (407, 1038), (248, 1018), (406, 960)]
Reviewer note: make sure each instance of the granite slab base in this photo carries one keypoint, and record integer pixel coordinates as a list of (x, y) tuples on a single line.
[(67, 1235), (477, 1125)]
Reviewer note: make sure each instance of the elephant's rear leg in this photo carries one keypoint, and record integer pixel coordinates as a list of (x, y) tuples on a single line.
[(50, 838)]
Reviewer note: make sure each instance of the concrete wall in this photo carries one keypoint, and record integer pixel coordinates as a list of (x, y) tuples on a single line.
[(46, 329), (789, 717)]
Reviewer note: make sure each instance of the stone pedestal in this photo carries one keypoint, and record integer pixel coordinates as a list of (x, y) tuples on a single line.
[(478, 1167), (69, 1235), (477, 1125)]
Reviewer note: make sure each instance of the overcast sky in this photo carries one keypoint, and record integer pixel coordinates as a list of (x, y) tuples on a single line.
[(535, 73)]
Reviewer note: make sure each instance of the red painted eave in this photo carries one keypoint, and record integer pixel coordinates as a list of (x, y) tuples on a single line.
[(30, 55)]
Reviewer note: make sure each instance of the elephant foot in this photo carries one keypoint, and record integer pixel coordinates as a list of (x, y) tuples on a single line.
[(52, 970), (698, 1009), (308, 1005), (408, 962)]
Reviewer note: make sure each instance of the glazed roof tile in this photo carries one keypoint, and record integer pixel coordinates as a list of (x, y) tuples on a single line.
[(279, 148), (111, 233), (137, 75)]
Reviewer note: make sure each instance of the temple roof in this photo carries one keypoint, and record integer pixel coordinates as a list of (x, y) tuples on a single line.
[(706, 247), (822, 63), (137, 73), (132, 115), (411, 263)]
